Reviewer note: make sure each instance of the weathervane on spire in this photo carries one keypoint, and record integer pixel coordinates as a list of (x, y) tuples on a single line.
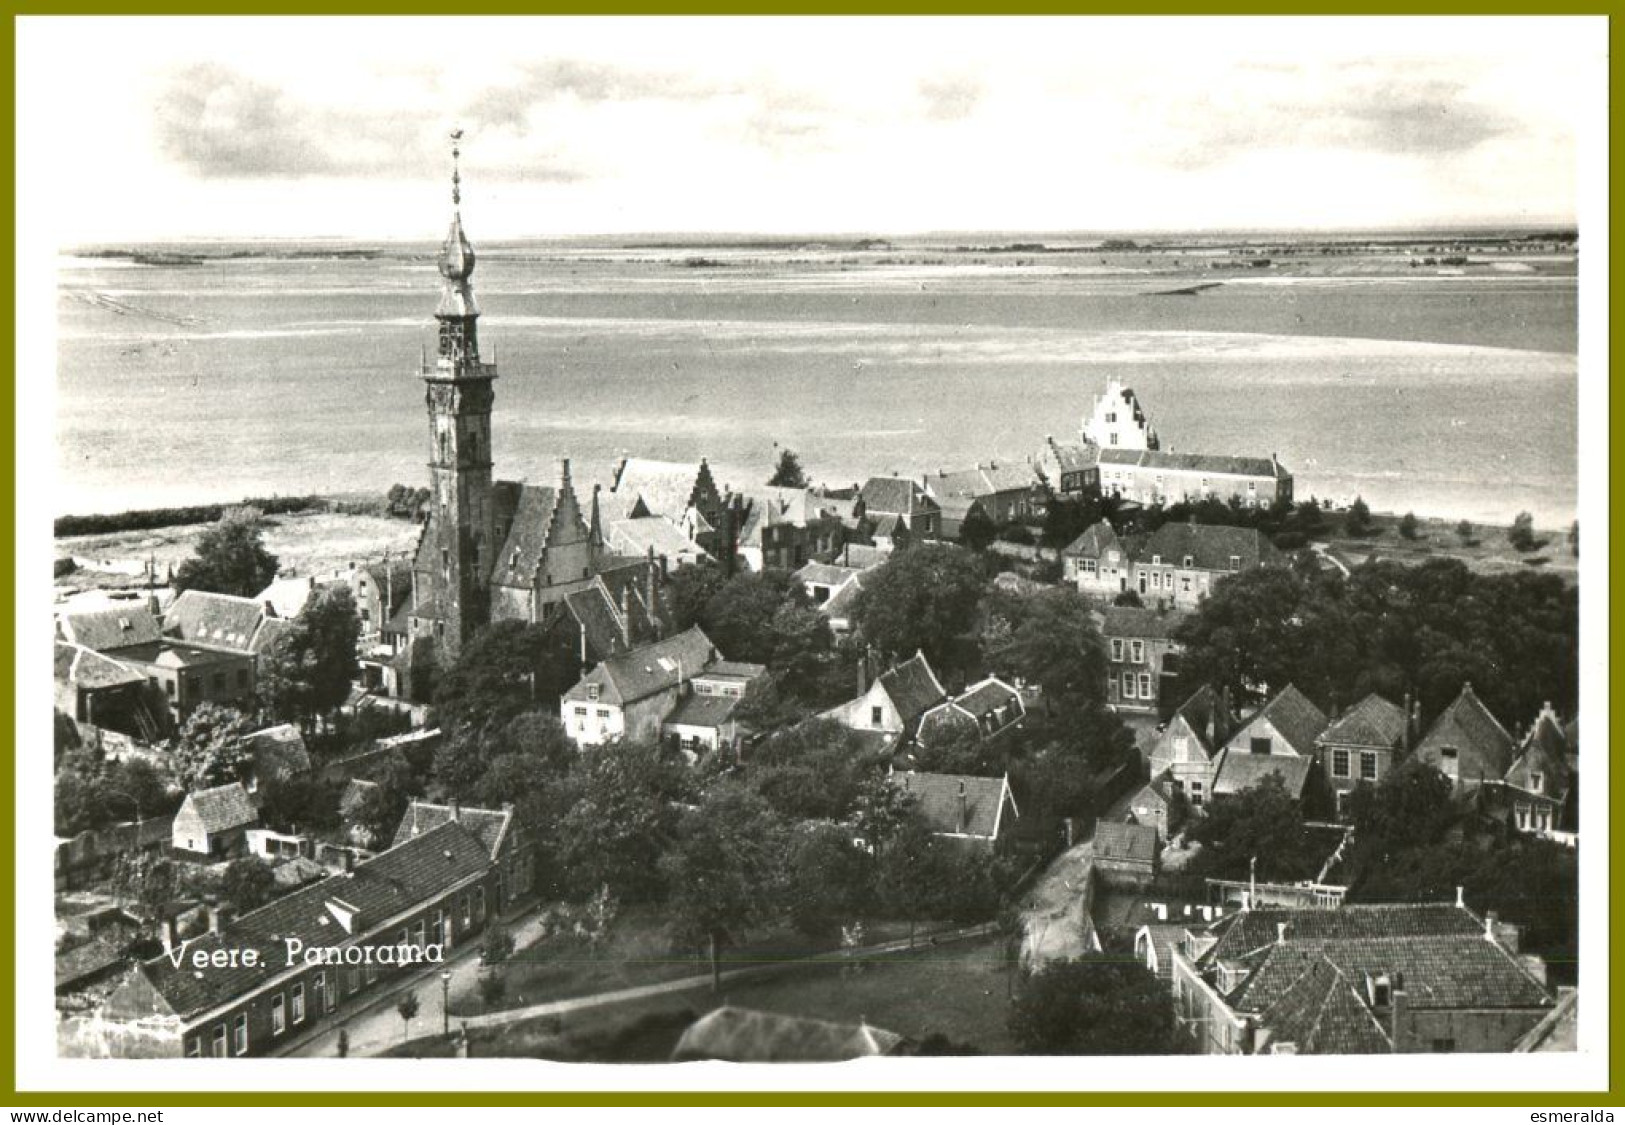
[(456, 179)]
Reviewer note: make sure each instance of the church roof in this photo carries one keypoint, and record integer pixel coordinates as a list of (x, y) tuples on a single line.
[(516, 563)]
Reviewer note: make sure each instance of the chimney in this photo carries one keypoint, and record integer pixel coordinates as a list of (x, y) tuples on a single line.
[(1534, 966), (1491, 917), (1416, 719), (1280, 933), (863, 675), (1461, 899), (347, 857), (1397, 1013), (169, 933), (456, 808), (1508, 935), (964, 808)]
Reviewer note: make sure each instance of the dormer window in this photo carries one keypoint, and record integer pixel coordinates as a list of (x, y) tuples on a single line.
[(1189, 560), (1537, 782), (1156, 560), (592, 693), (1382, 992)]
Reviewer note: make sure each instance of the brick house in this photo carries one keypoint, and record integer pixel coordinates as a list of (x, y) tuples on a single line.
[(1071, 470), (1361, 746), (1467, 744), (1179, 564), (503, 838), (1186, 747), (1125, 854), (1152, 477), (1137, 643), (1360, 979), (893, 705), (1278, 740), (1097, 562), (975, 811), (988, 708), (1007, 492), (435, 890)]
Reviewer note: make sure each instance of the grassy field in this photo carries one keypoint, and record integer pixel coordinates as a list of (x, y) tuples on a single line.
[(304, 543), (639, 951), (1487, 551), (958, 990)]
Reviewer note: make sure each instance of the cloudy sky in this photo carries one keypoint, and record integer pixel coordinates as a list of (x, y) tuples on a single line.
[(163, 128)]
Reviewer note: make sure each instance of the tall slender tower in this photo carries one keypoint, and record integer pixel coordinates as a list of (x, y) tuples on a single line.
[(459, 396)]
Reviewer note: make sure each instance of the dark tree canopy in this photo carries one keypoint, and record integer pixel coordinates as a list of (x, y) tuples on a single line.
[(1522, 533), (922, 599), (1095, 1005), (976, 530), (211, 748), (1357, 521), (503, 670), (1052, 641), (313, 662), (623, 810), (788, 472), (230, 558), (1262, 823), (247, 884)]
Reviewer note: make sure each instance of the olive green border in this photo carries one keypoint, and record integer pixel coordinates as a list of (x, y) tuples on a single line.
[(8, 574)]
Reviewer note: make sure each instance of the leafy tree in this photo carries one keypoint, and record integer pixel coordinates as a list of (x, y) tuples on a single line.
[(404, 501), (921, 876), (1262, 823), (1522, 533), (1357, 522), (690, 588), (1413, 805), (621, 817), (247, 884), (922, 599), (230, 558), (961, 748), (379, 813), (1408, 526), (506, 668), (407, 1006), (1055, 644), (211, 748), (497, 945), (1095, 1005), (830, 881), (726, 871), (1574, 538), (976, 530), (815, 770), (313, 662), (1129, 598), (788, 473), (1464, 532), (146, 881), (492, 987), (300, 803), (881, 811), (1018, 533)]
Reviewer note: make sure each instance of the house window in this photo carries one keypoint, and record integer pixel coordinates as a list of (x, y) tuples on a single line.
[(437, 935), (876, 716), (1185, 584), (1145, 685), (1196, 794), (1340, 763), (322, 999), (1188, 560), (1260, 746), (279, 1014), (1090, 566), (1156, 579), (1537, 782), (420, 933), (581, 712), (298, 996), (603, 714), (1368, 765), (1128, 685), (1522, 813), (219, 1040), (1235, 562), (592, 692), (1139, 652), (1117, 648), (169, 686), (465, 906), (194, 1046), (239, 1034), (479, 905)]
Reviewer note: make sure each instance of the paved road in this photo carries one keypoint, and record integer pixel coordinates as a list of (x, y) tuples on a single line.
[(1054, 925)]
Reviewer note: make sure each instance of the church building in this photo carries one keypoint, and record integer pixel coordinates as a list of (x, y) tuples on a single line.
[(505, 550)]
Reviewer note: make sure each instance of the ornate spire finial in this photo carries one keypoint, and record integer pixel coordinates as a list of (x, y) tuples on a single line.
[(456, 178)]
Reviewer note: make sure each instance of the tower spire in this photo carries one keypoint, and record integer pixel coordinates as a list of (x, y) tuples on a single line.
[(456, 178)]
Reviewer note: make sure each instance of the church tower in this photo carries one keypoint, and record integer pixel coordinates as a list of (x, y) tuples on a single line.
[(458, 395)]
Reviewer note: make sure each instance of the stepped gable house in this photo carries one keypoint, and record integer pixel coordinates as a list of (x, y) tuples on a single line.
[(504, 550)]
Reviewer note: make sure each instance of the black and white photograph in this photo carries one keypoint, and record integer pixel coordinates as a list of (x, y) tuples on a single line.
[(940, 545)]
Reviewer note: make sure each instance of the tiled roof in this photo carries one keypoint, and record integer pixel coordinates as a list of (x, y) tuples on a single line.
[(223, 808), (1164, 938), (90, 669), (912, 687), (842, 602), (938, 795), (1209, 546), (743, 1035), (1439, 970), (702, 711), (1294, 718), (983, 480), (287, 596), (85, 961), (488, 826), (515, 564), (1239, 770), (1197, 710), (638, 536), (1371, 722), (731, 670), (983, 698), (896, 496), (1135, 843), (279, 752), (599, 620), (1132, 621), (1072, 457), (382, 887), (825, 574), (1483, 747), (1321, 1013), (1195, 462), (653, 668), (862, 555), (214, 619), (666, 488), (105, 629), (1094, 542), (1249, 932)]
